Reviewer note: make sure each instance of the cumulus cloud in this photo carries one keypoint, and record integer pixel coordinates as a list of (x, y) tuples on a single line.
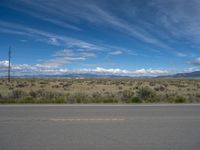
[(25, 69), (4, 64), (106, 71), (150, 72), (46, 69), (196, 62), (130, 72)]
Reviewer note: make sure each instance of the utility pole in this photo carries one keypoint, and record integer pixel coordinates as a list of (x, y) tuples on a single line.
[(9, 63)]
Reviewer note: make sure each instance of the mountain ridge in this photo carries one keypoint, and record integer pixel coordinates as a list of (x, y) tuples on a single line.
[(194, 74)]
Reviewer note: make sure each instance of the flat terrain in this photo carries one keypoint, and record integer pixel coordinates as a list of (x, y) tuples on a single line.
[(99, 127), (71, 91)]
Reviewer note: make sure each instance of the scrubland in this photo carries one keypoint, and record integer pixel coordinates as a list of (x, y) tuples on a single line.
[(100, 91)]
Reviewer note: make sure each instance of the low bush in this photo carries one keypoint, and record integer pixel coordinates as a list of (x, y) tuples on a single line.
[(108, 99), (17, 94), (125, 96), (33, 94), (26, 100), (180, 99), (7, 101), (78, 98), (136, 100), (60, 99), (147, 95)]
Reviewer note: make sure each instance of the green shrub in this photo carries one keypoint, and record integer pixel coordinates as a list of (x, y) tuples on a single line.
[(33, 94), (180, 99), (60, 99), (7, 101), (26, 100), (147, 95), (16, 94), (78, 98), (96, 97), (127, 94), (136, 100), (108, 99)]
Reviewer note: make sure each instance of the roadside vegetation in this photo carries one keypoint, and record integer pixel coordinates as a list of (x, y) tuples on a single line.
[(100, 91)]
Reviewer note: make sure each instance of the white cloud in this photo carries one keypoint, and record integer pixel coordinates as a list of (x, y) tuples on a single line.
[(106, 71), (54, 41), (25, 69), (49, 69), (66, 56), (179, 54), (150, 72), (4, 64), (116, 52), (73, 53)]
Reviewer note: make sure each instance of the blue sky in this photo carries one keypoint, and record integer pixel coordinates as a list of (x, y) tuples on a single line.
[(129, 37)]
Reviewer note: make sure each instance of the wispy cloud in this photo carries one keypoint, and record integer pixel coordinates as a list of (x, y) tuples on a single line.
[(180, 18), (179, 54), (168, 20), (118, 52), (60, 40), (92, 11), (66, 56), (134, 30), (51, 38), (44, 12)]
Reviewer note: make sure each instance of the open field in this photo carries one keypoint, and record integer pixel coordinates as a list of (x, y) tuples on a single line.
[(105, 127), (100, 91)]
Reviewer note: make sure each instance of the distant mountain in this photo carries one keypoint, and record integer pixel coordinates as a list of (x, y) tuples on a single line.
[(195, 74), (87, 75), (75, 75)]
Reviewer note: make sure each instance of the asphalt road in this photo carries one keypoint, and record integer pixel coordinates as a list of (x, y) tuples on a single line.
[(154, 127)]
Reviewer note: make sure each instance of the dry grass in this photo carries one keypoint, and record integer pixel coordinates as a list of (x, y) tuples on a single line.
[(100, 91)]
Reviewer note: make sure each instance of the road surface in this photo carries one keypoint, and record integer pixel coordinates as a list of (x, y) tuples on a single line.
[(129, 127)]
